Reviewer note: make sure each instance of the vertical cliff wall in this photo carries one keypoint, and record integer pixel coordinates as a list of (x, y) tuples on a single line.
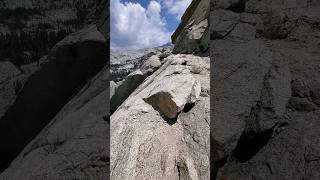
[(192, 35)]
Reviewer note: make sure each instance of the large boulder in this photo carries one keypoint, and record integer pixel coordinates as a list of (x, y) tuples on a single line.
[(266, 75), (124, 88), (162, 130), (172, 94)]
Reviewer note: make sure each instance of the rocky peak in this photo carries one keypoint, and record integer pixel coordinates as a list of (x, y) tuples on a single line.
[(192, 34)]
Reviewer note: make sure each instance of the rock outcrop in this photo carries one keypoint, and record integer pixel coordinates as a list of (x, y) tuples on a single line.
[(265, 113), (162, 130), (128, 74), (74, 145), (192, 35), (10, 85), (56, 126), (71, 64), (103, 18), (124, 62), (12, 80)]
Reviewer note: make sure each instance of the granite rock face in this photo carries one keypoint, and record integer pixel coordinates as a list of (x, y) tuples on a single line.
[(74, 144), (10, 85), (192, 35), (63, 133), (124, 62), (12, 80), (71, 64), (125, 87), (265, 113), (103, 18), (162, 130)]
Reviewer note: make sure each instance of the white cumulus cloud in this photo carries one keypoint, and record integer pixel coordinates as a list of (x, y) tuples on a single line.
[(176, 7), (136, 27)]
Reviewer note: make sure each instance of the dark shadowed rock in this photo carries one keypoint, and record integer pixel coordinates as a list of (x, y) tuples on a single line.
[(62, 112), (74, 144), (9, 84), (71, 64), (103, 22), (265, 117), (315, 93)]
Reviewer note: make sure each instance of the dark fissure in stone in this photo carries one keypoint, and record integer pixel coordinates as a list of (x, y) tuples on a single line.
[(188, 107), (250, 144)]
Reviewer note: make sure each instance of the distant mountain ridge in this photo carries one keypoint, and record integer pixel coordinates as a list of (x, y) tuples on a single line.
[(32, 27), (57, 13)]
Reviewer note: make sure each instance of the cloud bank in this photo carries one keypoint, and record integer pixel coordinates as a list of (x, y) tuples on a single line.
[(137, 27), (176, 7), (134, 27)]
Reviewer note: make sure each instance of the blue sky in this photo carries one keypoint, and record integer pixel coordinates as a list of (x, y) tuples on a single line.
[(137, 24)]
